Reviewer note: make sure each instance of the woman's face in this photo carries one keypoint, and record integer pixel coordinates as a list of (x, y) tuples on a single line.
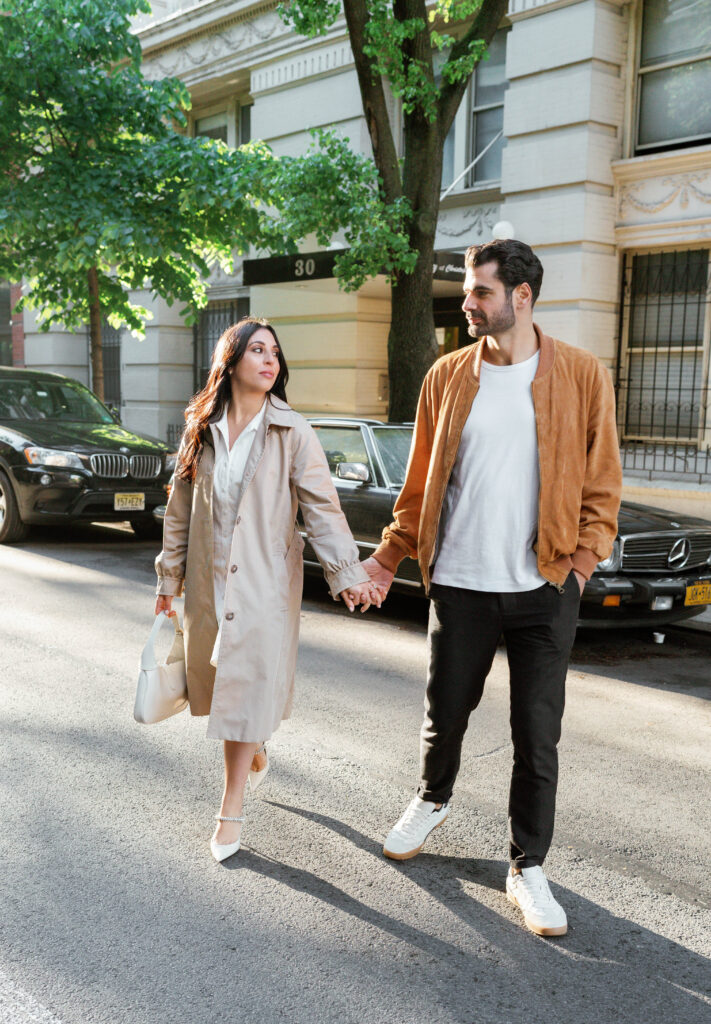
[(258, 368)]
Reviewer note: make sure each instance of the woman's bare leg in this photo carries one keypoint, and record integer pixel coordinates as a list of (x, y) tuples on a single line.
[(238, 761)]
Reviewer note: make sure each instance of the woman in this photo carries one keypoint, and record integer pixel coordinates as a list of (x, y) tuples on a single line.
[(246, 461)]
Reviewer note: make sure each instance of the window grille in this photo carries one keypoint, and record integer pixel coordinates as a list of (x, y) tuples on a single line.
[(174, 433), (674, 81), (214, 319), (663, 371)]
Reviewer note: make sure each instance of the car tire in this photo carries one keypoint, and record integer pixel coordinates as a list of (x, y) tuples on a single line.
[(146, 528), (12, 529)]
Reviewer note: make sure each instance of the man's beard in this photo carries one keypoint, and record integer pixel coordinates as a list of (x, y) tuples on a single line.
[(502, 320)]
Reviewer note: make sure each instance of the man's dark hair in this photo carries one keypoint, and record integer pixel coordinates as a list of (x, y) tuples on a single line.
[(517, 263)]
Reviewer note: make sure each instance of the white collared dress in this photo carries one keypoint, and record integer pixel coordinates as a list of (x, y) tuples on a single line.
[(227, 483)]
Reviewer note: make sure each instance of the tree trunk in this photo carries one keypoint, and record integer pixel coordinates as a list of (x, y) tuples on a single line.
[(412, 346), (97, 354)]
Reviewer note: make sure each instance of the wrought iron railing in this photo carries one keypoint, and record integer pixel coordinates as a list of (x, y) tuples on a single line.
[(650, 460)]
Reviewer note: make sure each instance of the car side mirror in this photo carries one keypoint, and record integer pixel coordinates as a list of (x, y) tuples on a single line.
[(357, 471), (115, 413)]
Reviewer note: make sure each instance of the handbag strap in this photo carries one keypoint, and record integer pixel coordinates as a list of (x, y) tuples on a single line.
[(148, 655)]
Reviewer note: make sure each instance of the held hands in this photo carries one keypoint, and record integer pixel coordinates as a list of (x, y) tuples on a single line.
[(374, 592), (363, 594), (379, 575)]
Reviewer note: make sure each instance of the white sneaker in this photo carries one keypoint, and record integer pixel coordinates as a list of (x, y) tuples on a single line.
[(530, 893), (408, 837)]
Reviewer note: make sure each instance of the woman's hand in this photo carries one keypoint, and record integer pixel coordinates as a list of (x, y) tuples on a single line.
[(363, 594), (164, 603)]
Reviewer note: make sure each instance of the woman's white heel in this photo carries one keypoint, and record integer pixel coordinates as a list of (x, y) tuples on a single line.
[(257, 778), (221, 851)]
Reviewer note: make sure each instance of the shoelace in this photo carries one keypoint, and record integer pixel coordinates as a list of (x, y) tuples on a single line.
[(535, 892), (413, 816)]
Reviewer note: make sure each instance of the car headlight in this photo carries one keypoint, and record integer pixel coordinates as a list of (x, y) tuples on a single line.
[(612, 563), (53, 457), (170, 461)]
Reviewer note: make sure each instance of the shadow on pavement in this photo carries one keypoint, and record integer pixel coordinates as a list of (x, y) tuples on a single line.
[(606, 969)]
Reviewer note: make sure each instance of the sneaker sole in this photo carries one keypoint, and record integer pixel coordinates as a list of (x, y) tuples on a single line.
[(413, 853), (536, 928)]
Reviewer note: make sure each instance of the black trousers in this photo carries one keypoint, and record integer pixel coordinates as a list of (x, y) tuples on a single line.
[(464, 630)]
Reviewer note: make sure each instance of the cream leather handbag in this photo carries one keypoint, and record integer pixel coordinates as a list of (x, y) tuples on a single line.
[(162, 689)]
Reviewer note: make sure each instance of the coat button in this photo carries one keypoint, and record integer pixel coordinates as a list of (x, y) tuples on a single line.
[(233, 568), (230, 616), (238, 520)]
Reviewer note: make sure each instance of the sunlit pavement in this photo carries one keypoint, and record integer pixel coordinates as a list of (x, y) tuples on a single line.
[(113, 910)]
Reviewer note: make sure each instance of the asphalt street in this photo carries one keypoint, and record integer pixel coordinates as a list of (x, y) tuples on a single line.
[(113, 910)]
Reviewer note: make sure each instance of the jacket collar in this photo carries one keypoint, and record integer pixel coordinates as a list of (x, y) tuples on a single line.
[(278, 413), (546, 347)]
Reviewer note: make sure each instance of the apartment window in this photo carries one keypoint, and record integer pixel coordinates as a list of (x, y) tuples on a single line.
[(487, 120), (244, 133), (663, 392), (213, 127), (111, 345), (674, 74), (5, 325), (214, 319)]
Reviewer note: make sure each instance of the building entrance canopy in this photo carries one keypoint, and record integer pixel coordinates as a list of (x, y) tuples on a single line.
[(302, 267)]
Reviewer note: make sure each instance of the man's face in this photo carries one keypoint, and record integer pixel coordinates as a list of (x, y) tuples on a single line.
[(488, 308)]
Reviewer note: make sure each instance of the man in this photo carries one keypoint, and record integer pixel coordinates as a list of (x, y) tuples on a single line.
[(510, 500)]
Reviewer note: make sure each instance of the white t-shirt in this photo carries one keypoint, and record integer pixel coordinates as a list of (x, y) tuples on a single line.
[(229, 469), (490, 512)]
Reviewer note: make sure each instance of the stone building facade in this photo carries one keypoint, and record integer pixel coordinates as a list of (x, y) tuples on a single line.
[(592, 124)]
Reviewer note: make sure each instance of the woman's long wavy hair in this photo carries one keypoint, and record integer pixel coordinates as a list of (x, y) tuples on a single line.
[(208, 405)]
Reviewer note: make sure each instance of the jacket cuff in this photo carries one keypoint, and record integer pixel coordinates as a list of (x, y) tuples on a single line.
[(350, 576), (169, 587), (389, 554), (584, 561)]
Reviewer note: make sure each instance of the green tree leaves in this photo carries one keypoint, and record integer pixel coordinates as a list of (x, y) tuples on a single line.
[(101, 177)]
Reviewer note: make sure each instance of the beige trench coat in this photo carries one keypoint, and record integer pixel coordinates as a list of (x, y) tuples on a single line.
[(251, 690)]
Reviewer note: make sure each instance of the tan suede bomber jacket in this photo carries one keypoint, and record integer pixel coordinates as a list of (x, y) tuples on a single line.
[(578, 453)]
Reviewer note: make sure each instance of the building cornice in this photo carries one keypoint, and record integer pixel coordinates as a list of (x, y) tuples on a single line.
[(675, 234), (201, 19), (313, 61), (521, 9), (639, 168)]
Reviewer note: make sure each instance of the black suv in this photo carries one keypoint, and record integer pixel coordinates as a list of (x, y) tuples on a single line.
[(64, 457)]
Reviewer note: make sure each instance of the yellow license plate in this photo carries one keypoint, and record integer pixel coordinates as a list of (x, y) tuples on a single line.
[(698, 593), (129, 502)]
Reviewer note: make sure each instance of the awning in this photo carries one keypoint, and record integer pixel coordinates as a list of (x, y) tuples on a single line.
[(314, 266)]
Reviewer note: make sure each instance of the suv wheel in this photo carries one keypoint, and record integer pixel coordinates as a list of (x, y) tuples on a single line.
[(146, 528), (12, 528)]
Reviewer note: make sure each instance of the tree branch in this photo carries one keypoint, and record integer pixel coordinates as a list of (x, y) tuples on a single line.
[(374, 104), (483, 27)]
